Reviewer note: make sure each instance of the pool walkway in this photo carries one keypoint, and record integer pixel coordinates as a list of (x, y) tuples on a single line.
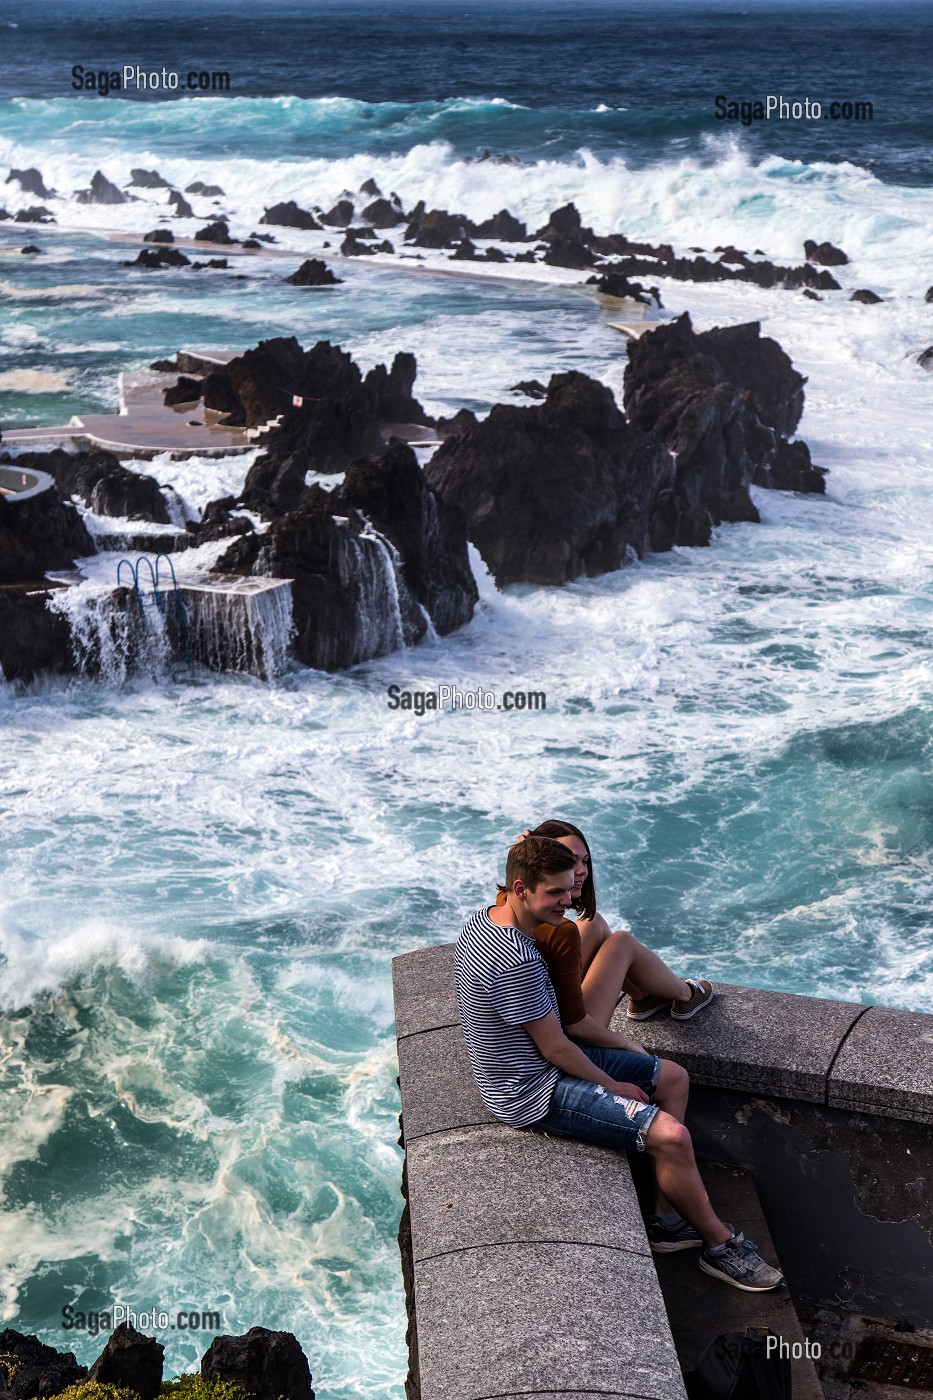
[(146, 426)]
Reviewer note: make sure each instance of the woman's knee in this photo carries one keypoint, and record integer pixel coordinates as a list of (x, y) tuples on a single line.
[(622, 943)]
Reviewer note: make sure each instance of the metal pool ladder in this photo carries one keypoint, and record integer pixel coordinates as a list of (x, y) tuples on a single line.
[(168, 602)]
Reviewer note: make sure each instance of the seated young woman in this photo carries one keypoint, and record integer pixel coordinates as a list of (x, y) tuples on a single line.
[(591, 966)]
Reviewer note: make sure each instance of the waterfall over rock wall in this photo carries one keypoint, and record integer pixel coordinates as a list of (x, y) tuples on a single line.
[(241, 626)]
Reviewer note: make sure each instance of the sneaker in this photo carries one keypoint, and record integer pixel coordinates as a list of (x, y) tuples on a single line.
[(666, 1239), (701, 994), (639, 1009), (740, 1266)]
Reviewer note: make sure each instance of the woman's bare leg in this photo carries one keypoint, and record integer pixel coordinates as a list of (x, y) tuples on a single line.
[(621, 962)]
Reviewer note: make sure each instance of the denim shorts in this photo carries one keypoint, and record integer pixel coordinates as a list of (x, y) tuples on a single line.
[(581, 1109)]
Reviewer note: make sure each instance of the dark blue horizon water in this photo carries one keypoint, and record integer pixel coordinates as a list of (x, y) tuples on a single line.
[(658, 66)]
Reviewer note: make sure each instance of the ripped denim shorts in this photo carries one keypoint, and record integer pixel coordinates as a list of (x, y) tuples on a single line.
[(581, 1109)]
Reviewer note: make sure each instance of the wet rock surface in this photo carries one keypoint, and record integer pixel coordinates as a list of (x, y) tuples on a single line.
[(268, 1365), (29, 1368), (288, 215), (103, 484), (42, 532), (581, 480), (313, 273), (373, 562), (705, 418), (130, 1360)]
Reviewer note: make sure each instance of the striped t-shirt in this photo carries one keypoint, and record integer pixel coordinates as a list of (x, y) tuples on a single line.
[(502, 982)]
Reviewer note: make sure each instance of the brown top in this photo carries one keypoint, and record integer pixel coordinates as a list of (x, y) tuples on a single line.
[(560, 949)]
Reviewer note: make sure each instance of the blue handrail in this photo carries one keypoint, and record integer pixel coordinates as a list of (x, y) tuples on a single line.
[(169, 602)]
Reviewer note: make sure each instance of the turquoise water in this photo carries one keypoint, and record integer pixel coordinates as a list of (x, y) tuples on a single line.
[(202, 885)]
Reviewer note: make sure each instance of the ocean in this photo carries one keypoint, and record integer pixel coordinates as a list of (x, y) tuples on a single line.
[(202, 882)]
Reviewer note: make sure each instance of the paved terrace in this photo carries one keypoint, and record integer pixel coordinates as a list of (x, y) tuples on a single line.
[(145, 426), (529, 1272)]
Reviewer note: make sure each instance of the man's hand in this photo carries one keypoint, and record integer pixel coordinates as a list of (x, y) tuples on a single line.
[(519, 839), (629, 1091)]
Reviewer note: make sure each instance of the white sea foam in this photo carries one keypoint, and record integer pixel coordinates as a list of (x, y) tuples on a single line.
[(34, 381)]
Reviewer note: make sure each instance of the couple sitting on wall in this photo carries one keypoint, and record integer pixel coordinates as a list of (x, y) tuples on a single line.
[(536, 994)]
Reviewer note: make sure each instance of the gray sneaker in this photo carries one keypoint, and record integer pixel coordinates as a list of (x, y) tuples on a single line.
[(741, 1266)]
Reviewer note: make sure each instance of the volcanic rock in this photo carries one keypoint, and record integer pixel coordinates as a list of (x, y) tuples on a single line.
[(30, 182), (159, 257), (929, 294), (217, 232), (30, 248), (824, 253), (108, 488), (757, 363), (313, 273), (613, 284), (29, 1368), (583, 482), (219, 522), (148, 180), (465, 251), (532, 388), (33, 639), (811, 295), (925, 358), (219, 394), (288, 215), (102, 191), (42, 532), (370, 188), (352, 247), (720, 430), (183, 209), (159, 235), (496, 255), (382, 213), (436, 228), (368, 561), (207, 191), (184, 390), (504, 227), (268, 1365), (130, 1360), (790, 469), (565, 223), (341, 216), (568, 252), (338, 420), (866, 297), (38, 214)]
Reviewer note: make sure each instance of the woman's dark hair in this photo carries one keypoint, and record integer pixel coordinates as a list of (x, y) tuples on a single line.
[(585, 903)]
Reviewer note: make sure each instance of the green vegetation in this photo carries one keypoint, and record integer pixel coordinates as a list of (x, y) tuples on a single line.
[(193, 1387), (95, 1390)]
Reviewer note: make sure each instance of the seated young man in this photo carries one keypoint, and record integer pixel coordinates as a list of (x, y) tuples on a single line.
[(606, 1090)]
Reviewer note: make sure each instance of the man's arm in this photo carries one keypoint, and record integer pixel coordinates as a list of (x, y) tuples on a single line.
[(594, 1034), (554, 1046)]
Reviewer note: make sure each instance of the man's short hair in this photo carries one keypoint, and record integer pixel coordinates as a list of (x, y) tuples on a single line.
[(533, 859)]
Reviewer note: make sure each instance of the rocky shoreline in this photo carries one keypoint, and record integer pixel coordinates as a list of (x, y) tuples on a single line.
[(572, 485), (259, 1365)]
